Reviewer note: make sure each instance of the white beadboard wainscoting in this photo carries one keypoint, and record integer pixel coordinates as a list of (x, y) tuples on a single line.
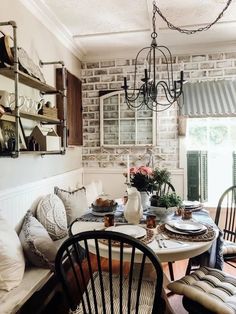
[(113, 180), (15, 202)]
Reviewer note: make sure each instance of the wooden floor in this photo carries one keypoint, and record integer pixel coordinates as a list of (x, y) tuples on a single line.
[(175, 300)]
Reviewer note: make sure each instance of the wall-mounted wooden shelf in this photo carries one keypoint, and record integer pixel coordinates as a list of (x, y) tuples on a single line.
[(28, 80)]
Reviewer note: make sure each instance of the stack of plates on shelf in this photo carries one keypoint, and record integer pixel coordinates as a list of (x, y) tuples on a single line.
[(185, 227), (192, 205), (131, 230)]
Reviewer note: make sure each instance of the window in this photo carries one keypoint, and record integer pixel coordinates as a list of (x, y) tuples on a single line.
[(121, 126), (217, 137)]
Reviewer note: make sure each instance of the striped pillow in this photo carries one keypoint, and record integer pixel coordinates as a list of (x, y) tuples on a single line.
[(212, 288)]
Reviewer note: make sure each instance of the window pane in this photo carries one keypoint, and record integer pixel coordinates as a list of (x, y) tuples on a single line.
[(127, 132), (111, 132)]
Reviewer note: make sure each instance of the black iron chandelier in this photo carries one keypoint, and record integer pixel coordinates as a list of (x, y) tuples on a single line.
[(154, 93)]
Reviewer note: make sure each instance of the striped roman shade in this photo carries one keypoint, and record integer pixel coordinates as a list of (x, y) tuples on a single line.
[(209, 99)]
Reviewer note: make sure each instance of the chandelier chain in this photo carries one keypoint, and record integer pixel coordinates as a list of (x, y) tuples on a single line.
[(189, 31)]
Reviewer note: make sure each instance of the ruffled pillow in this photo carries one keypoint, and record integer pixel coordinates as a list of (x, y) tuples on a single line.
[(38, 246), (75, 202)]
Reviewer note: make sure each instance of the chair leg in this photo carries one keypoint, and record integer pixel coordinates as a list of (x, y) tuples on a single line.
[(189, 267), (170, 264), (234, 266)]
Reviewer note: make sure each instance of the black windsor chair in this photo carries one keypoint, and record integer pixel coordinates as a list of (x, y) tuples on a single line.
[(94, 284), (225, 219)]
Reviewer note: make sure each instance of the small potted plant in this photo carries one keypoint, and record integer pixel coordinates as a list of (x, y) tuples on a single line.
[(165, 204)]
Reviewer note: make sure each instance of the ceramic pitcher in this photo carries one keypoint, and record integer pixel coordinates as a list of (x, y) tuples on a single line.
[(133, 209)]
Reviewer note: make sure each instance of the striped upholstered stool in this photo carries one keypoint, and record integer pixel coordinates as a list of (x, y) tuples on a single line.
[(207, 290)]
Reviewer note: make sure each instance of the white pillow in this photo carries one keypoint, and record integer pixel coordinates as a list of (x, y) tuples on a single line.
[(52, 215), (12, 262), (75, 202)]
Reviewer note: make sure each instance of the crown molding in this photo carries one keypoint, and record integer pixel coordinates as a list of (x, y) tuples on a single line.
[(41, 11)]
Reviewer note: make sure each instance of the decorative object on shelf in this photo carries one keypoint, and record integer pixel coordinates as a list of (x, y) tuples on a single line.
[(152, 93), (2, 111), (133, 211), (6, 55), (8, 134), (47, 138), (50, 112), (26, 64)]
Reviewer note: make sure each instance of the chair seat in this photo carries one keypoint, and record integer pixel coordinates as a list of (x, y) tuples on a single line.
[(145, 302), (211, 288), (229, 248)]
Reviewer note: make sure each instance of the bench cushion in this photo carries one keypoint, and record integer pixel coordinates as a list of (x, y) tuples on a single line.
[(211, 288), (33, 280), (12, 262)]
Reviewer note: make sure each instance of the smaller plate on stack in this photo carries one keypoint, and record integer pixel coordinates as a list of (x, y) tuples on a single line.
[(186, 227), (192, 205)]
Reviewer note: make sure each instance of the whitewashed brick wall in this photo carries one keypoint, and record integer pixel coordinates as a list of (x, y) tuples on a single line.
[(108, 75)]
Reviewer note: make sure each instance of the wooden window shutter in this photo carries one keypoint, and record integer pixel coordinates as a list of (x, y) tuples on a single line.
[(74, 107), (197, 176)]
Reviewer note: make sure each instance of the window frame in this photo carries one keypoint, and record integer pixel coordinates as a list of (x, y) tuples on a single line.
[(119, 119)]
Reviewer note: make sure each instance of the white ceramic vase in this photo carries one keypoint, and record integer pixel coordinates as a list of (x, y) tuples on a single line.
[(145, 200), (133, 210)]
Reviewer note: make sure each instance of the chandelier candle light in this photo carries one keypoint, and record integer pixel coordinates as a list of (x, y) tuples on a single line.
[(151, 93)]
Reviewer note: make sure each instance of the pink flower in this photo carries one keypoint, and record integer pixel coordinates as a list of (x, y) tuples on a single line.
[(133, 170), (147, 171)]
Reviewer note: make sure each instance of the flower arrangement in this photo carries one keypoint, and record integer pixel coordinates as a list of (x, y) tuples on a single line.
[(141, 178)]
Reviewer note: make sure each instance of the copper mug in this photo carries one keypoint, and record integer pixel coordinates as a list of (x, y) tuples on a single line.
[(109, 220), (151, 221)]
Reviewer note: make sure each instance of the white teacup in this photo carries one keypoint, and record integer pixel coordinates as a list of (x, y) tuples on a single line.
[(7, 99)]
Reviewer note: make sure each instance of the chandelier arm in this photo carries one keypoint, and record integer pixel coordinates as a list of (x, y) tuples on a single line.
[(170, 81), (193, 31), (155, 108), (134, 96), (135, 68), (166, 89)]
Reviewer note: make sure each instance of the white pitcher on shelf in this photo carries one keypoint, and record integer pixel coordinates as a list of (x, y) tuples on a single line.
[(133, 210)]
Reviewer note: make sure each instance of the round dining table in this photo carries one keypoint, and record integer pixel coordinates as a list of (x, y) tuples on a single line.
[(175, 250)]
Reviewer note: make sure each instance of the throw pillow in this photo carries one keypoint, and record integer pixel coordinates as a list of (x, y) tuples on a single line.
[(12, 262), (39, 248), (75, 202), (52, 215)]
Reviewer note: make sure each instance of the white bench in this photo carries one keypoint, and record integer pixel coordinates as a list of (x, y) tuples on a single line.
[(14, 203)]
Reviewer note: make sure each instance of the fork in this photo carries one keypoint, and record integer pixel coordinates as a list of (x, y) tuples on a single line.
[(167, 238), (160, 241)]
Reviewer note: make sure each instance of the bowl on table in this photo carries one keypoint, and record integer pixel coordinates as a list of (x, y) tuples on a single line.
[(102, 205)]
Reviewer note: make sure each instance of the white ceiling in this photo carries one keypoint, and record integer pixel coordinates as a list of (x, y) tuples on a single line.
[(96, 29)]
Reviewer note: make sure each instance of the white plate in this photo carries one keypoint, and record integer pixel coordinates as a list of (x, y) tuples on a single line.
[(187, 225), (191, 204), (132, 230), (100, 214), (172, 229)]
